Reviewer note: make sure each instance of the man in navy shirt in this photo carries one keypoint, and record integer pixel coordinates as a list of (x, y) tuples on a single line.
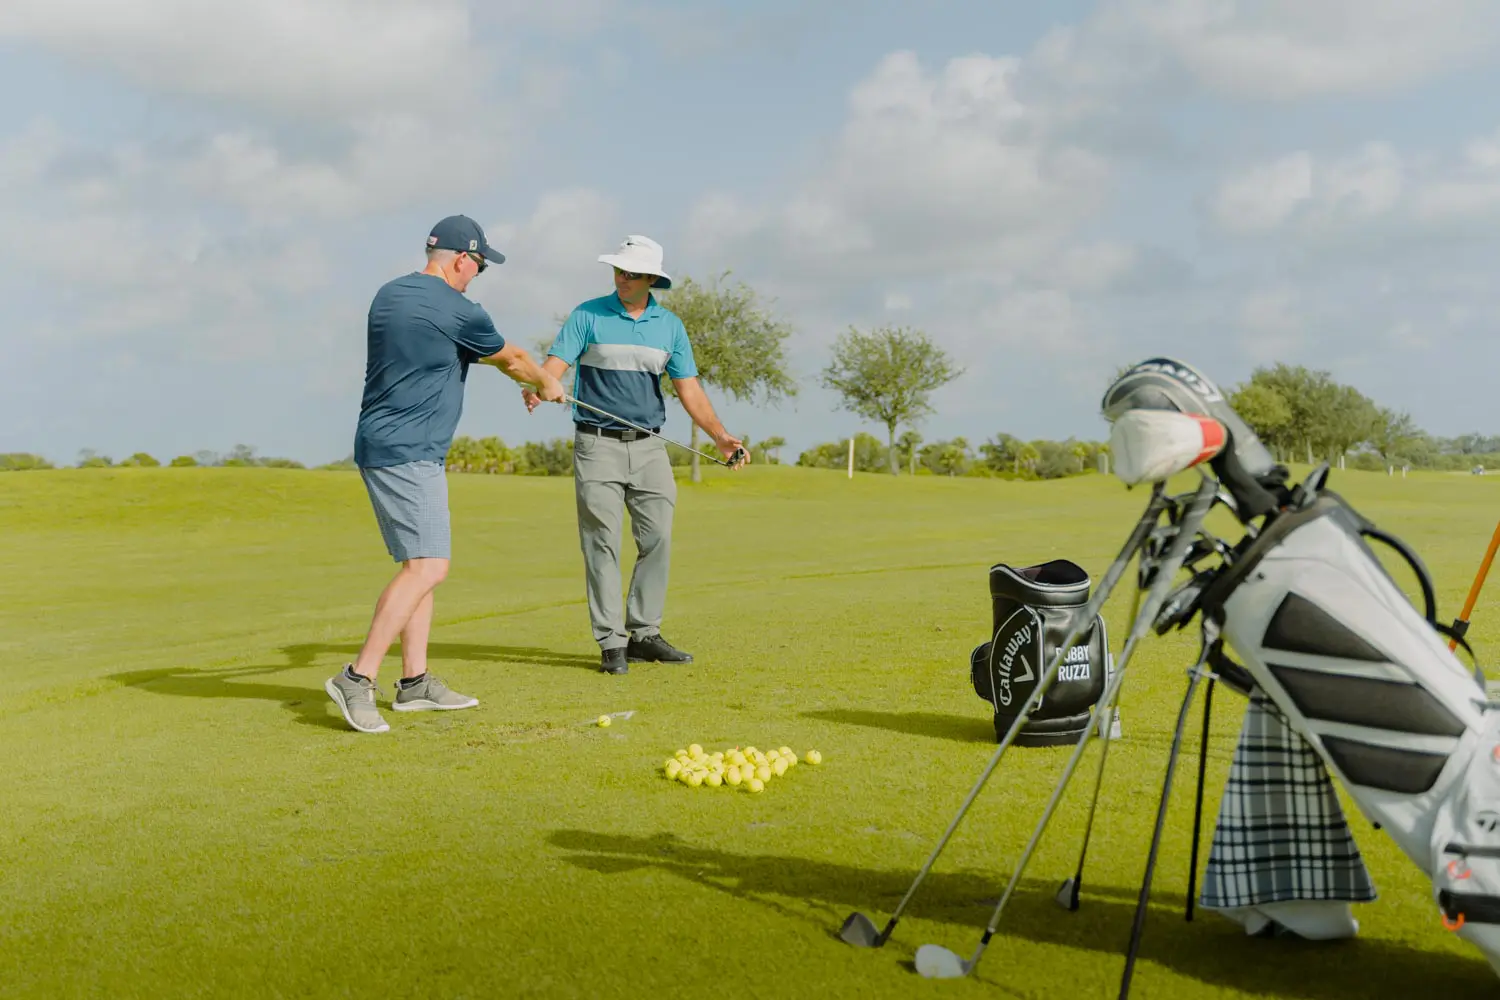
[(423, 334), (621, 344)]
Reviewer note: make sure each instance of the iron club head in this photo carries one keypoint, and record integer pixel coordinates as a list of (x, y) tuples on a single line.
[(1067, 894), (859, 931), (936, 962)]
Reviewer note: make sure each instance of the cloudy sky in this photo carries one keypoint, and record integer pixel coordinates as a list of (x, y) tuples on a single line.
[(199, 197)]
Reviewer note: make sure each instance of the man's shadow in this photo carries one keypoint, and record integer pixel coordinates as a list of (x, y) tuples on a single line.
[(310, 704), (1209, 949)]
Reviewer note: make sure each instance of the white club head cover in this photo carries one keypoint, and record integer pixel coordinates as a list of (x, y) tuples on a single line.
[(1148, 446)]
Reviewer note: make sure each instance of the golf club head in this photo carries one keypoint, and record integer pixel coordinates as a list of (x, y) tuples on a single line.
[(1067, 894), (860, 931), (936, 962), (738, 454)]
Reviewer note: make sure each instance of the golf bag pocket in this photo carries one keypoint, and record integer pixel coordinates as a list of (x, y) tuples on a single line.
[(1032, 611), (1466, 848)]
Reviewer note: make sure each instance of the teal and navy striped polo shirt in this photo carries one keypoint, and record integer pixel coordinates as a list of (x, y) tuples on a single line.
[(618, 360)]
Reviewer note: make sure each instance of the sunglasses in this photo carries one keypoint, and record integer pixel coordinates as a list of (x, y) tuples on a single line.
[(631, 275), (478, 260)]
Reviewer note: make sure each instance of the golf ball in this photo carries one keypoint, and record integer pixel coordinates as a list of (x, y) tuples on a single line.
[(603, 720)]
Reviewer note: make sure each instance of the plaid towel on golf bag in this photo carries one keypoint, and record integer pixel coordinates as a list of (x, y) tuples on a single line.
[(1281, 833)]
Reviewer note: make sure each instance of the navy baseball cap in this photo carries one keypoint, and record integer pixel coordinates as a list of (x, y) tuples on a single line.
[(461, 233)]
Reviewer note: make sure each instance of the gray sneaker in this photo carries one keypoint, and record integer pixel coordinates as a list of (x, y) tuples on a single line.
[(431, 695), (356, 699)]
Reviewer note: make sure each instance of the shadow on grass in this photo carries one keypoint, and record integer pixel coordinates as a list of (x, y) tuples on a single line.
[(311, 705), (1209, 949), (961, 728)]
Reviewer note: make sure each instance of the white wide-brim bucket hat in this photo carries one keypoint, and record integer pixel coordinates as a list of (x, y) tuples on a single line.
[(639, 255)]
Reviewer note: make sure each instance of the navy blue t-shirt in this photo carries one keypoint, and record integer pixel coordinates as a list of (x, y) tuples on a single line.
[(423, 335)]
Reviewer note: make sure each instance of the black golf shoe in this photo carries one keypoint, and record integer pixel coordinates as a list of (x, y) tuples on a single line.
[(655, 649), (612, 661)]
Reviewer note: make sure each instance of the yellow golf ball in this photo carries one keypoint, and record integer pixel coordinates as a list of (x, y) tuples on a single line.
[(813, 757), (732, 776), (756, 785), (695, 751), (694, 779), (603, 720), (680, 754), (787, 752), (673, 768), (763, 773), (714, 779), (779, 768)]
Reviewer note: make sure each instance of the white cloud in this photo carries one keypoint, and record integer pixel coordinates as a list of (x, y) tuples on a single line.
[(325, 58), (1373, 190), (943, 173), (1277, 50), (552, 259)]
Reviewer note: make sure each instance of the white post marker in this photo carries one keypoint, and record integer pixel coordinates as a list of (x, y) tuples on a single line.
[(851, 458)]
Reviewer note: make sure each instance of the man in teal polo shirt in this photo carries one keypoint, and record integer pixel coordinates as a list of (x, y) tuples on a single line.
[(621, 344)]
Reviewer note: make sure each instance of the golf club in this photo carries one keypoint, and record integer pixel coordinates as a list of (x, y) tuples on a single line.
[(1138, 925), (1068, 892), (858, 929), (605, 413), (935, 961), (1208, 706)]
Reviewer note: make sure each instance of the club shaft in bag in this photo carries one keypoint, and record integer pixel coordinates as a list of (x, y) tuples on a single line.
[(1085, 620), (1192, 890), (1138, 925), (1074, 886), (1170, 564), (643, 430)]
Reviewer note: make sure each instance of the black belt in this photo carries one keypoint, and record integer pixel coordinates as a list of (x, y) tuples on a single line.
[(620, 434)]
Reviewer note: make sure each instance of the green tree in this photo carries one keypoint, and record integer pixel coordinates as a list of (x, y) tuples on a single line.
[(140, 458), (88, 458), (909, 443), (1266, 410), (773, 446), (1393, 435), (22, 461), (888, 375), (739, 347)]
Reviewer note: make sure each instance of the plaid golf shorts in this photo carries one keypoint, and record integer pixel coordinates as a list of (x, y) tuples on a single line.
[(411, 507)]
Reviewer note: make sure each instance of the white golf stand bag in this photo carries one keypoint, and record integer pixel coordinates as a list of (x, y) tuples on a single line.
[(1300, 616)]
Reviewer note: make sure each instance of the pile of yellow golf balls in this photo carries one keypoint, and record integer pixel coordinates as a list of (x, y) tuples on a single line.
[(736, 767)]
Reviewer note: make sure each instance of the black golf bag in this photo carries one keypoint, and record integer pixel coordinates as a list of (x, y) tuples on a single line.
[(1032, 610)]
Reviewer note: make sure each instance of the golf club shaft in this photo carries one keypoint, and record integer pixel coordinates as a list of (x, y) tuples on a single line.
[(1154, 600), (643, 430), (1111, 577), (1088, 828), (1138, 925)]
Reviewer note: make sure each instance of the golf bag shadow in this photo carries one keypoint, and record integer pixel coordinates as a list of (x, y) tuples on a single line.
[(1369, 683), (1033, 609)]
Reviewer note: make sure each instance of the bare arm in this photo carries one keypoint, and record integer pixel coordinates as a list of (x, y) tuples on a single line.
[(554, 366), (695, 401), (516, 362)]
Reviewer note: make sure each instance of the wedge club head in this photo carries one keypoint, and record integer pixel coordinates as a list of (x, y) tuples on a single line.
[(1067, 894), (936, 962), (860, 931)]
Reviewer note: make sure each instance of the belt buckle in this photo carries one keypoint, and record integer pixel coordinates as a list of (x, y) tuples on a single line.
[(629, 434)]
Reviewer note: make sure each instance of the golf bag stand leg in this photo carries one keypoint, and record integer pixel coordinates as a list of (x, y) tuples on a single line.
[(1192, 890), (935, 961), (1368, 682), (1138, 925), (858, 929)]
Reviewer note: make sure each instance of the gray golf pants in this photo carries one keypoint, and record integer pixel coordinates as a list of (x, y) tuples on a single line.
[(611, 476)]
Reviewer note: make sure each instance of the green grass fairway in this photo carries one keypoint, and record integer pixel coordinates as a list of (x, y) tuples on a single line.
[(185, 813)]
